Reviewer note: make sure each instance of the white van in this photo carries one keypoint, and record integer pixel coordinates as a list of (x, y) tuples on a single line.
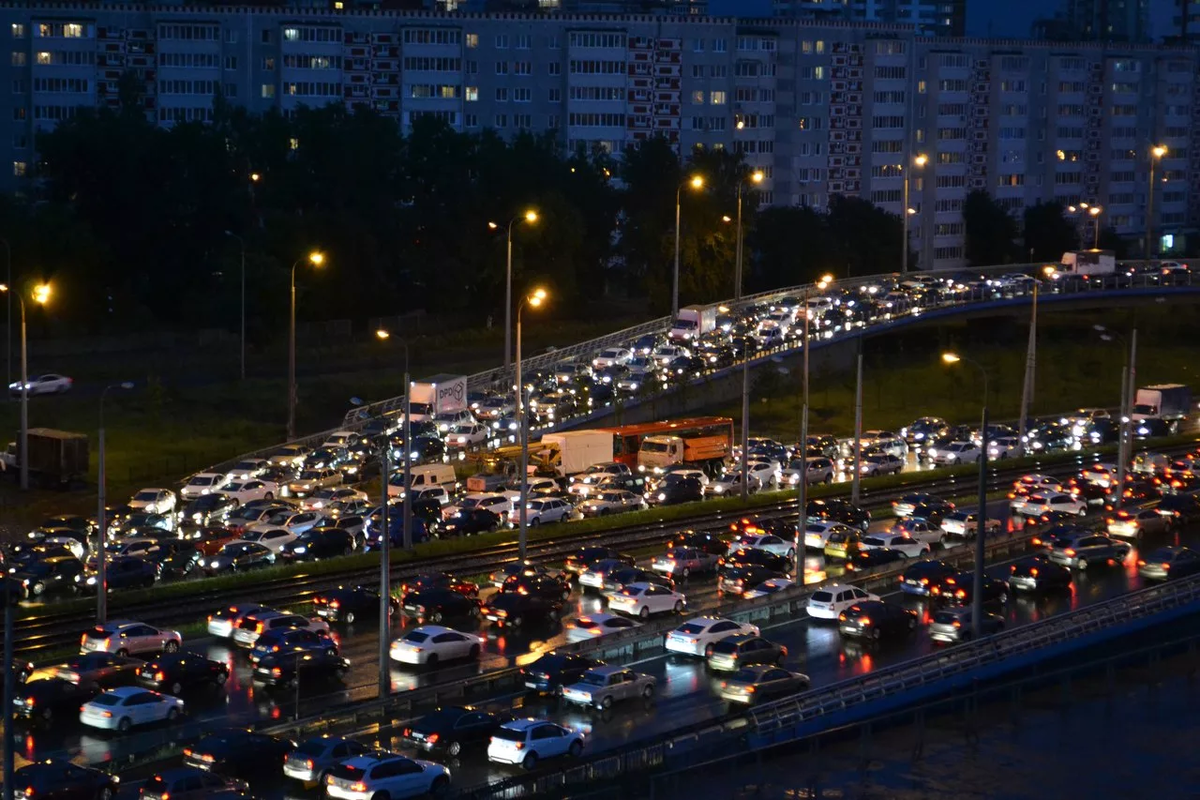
[(424, 476)]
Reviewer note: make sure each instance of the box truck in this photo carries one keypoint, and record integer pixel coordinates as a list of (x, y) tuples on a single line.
[(1167, 401), (692, 322), (437, 395), (577, 450), (1088, 263), (56, 458)]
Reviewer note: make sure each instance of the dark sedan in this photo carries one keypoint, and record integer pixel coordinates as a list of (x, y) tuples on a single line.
[(959, 589), (553, 671), (61, 780), (451, 730), (700, 540), (864, 560), (470, 521), (837, 510), (1166, 563), (920, 577), (239, 557), (347, 605), (175, 673), (512, 609), (240, 753), (300, 666), (318, 543), (1038, 574), (876, 619), (436, 604), (674, 491), (52, 699), (585, 557), (439, 580), (123, 572)]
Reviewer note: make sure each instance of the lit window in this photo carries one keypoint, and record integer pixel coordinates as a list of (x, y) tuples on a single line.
[(44, 58), (73, 30), (472, 94), (294, 143), (19, 168), (472, 40), (291, 34), (718, 98), (338, 5), (18, 30), (268, 90)]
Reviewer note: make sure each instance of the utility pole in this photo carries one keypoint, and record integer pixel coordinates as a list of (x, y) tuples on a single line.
[(856, 478), (1030, 374)]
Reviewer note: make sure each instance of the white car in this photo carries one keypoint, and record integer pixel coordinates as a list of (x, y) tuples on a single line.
[(596, 625), (494, 408), (430, 644), (494, 502), (201, 484), (246, 490), (878, 464), (125, 637), (829, 601), (612, 357), (694, 637), (154, 501), (548, 509), (595, 475), (256, 623), (273, 539), (245, 470), (323, 498), (644, 599), (1040, 502), (964, 524), (449, 419), (885, 442), (122, 708), (532, 486), (297, 522), (42, 384), (910, 547), (338, 439), (919, 529), (528, 741), (816, 533), (1004, 447), (612, 502), (290, 455), (767, 473), (225, 620), (379, 775), (1100, 474), (764, 541), (730, 484), (467, 434), (640, 371), (957, 453), (665, 354)]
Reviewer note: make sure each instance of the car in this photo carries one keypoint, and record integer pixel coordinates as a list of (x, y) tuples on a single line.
[(645, 599), (467, 434), (126, 637), (612, 356), (350, 604), (596, 474), (243, 491), (906, 505), (255, 624), (318, 543), (324, 498), (51, 699), (956, 453), (124, 707), (681, 562), (864, 560), (1100, 473), (766, 474), (62, 780), (492, 501), (429, 645), (876, 619), (751, 684), (449, 730), (602, 686), (592, 626), (1082, 550), (959, 589), (545, 510), (1038, 574), (209, 509), (50, 383), (843, 544), (470, 521), (837, 510), (551, 672), (512, 609), (312, 759), (1041, 502), (769, 587), (596, 576), (730, 484), (188, 783), (899, 542), (121, 573), (828, 601), (1167, 563), (923, 429), (154, 501), (102, 669), (176, 673), (312, 480), (239, 556), (240, 753), (604, 503), (54, 574), (950, 625), (734, 652), (273, 539), (436, 604), (582, 559), (292, 667), (296, 522), (1003, 447), (705, 541), (284, 640), (767, 542), (201, 484), (673, 491), (964, 525), (1138, 523), (1036, 481), (817, 533), (528, 741), (439, 580), (878, 464), (223, 621)]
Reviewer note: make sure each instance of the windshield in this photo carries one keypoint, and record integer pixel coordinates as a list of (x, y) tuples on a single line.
[(655, 447), (146, 496), (310, 475), (725, 646), (202, 480)]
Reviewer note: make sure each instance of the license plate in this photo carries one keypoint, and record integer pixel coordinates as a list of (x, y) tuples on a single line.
[(531, 685)]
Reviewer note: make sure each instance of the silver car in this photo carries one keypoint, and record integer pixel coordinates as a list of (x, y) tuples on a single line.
[(951, 625), (683, 561), (1080, 550), (600, 687), (314, 757)]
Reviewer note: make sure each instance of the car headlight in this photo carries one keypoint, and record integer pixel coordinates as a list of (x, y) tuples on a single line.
[(662, 495), (301, 549), (215, 564)]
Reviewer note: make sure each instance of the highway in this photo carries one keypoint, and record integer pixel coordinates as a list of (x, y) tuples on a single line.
[(685, 690)]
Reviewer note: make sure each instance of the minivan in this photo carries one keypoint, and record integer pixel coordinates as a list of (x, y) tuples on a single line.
[(424, 476)]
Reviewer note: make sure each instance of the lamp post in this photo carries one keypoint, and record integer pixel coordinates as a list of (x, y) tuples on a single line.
[(919, 162), (41, 294), (1156, 153), (102, 533), (754, 177), (1128, 372), (8, 317), (1094, 211), (802, 484), (316, 258), (385, 535), (535, 300), (695, 182), (981, 516), (531, 217), (242, 246)]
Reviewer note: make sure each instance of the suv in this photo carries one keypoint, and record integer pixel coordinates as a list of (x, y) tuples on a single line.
[(382, 774), (527, 741), (125, 637)]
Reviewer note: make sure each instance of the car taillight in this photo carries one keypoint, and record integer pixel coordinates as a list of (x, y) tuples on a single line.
[(961, 593), (83, 640), (1036, 542), (864, 621), (1069, 551), (159, 676), (334, 604), (358, 787), (958, 623), (276, 672), (841, 617), (782, 650), (260, 627), (924, 581), (433, 738), (1164, 566), (900, 578), (1033, 572)]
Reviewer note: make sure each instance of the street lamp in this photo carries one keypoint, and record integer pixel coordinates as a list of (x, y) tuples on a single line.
[(1156, 153), (102, 533), (1128, 376), (981, 515), (754, 177), (696, 182), (919, 162), (385, 529), (534, 300), (316, 258), (41, 295), (242, 246), (1094, 211), (531, 217)]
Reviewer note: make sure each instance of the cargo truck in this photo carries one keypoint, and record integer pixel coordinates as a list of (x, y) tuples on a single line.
[(692, 322), (571, 452), (1088, 263), (56, 458), (440, 394), (1170, 402)]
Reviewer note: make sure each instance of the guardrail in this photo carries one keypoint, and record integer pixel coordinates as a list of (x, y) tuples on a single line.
[(764, 726)]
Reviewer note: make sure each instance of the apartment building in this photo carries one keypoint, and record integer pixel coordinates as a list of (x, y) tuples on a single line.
[(820, 108)]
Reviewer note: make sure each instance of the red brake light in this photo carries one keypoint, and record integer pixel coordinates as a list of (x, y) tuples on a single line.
[(433, 738), (1069, 551)]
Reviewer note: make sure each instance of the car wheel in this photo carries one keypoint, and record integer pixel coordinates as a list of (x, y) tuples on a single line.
[(435, 617), (171, 646), (124, 725), (708, 651), (576, 749), (105, 794), (381, 796), (516, 621), (473, 654), (269, 496), (606, 702), (530, 761), (172, 714), (1083, 512), (123, 652), (686, 573), (678, 606), (1082, 564), (47, 714), (828, 480), (533, 523), (912, 624), (349, 617), (644, 613), (176, 688), (37, 589), (648, 692), (432, 660), (779, 658), (876, 633), (221, 678)]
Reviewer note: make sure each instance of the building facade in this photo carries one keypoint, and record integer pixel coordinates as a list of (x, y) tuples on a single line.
[(820, 108)]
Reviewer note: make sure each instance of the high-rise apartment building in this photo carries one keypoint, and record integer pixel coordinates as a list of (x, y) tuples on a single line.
[(1106, 20), (820, 108)]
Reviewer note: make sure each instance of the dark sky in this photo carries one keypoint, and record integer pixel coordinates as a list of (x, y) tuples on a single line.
[(1005, 18)]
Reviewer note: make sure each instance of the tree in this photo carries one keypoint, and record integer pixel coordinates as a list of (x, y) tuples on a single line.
[(1048, 233), (790, 245), (990, 230), (865, 237)]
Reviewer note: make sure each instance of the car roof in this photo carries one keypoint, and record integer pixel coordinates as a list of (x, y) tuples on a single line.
[(433, 630), (599, 617), (607, 669), (525, 724), (127, 691)]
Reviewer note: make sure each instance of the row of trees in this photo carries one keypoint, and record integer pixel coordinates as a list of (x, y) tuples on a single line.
[(1044, 233), (142, 227)]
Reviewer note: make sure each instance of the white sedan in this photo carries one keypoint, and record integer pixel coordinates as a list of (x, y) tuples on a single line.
[(492, 501), (596, 625), (42, 384), (201, 484), (910, 547), (956, 453), (154, 501), (612, 357), (1035, 504), (467, 434), (323, 498), (121, 708), (767, 473), (694, 637), (1035, 481), (644, 599), (730, 484), (273, 539), (250, 489), (430, 644), (245, 470), (548, 509), (816, 534), (612, 502), (764, 541)]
